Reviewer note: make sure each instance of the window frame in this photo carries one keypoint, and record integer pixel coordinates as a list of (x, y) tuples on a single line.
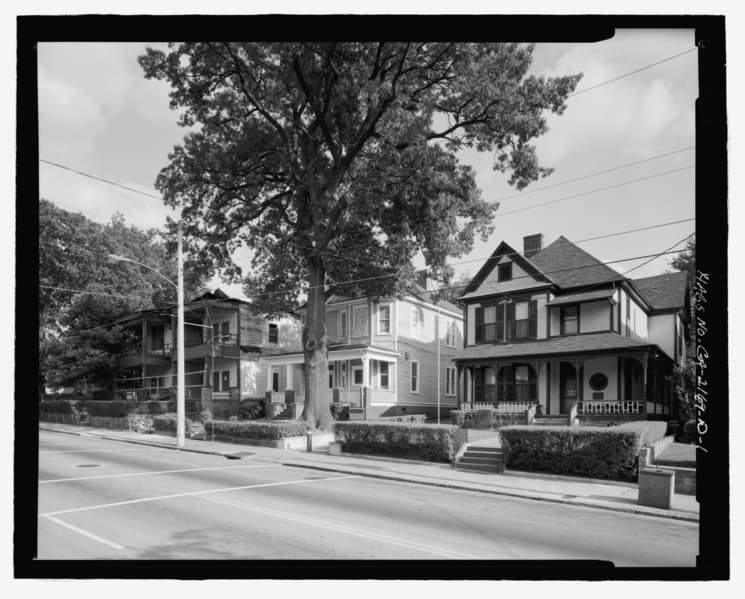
[(345, 313), (414, 385), (365, 329), (355, 369), (388, 330), (450, 377), (563, 319), (500, 275), (387, 375), (272, 326)]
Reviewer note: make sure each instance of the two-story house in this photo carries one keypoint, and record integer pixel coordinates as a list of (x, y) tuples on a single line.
[(387, 356), (224, 340), (556, 329)]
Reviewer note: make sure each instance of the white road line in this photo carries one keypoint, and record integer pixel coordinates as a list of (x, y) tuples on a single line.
[(126, 474), (191, 494), (346, 529), (85, 533), (89, 450)]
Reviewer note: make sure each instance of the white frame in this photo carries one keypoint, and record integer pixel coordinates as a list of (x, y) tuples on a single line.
[(451, 332), (358, 368), (380, 375), (390, 315), (448, 391), (416, 326), (365, 330), (345, 312), (418, 376)]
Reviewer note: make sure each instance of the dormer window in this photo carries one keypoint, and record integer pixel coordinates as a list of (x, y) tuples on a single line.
[(504, 271), (273, 333)]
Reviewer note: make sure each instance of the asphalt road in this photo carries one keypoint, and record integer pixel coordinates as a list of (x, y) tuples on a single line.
[(103, 499)]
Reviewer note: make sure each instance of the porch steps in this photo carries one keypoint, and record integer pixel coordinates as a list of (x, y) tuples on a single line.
[(554, 420), (481, 459)]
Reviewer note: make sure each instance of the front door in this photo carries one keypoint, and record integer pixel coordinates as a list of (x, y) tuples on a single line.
[(568, 391)]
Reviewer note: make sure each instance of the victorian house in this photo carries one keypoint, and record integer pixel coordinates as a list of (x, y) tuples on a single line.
[(555, 331)]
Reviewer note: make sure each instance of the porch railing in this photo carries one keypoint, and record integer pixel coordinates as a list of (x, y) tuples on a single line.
[(590, 408), (505, 407)]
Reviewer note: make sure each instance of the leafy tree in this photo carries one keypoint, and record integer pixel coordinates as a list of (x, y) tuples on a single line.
[(335, 163), (81, 293)]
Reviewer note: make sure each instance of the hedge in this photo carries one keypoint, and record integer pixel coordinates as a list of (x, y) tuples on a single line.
[(55, 407), (167, 423), (650, 431), (431, 442), (257, 429), (111, 409), (593, 451)]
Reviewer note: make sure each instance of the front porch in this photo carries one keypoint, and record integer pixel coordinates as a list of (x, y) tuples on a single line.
[(361, 379), (575, 389)]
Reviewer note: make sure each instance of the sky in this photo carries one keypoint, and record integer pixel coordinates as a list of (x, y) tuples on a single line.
[(98, 114)]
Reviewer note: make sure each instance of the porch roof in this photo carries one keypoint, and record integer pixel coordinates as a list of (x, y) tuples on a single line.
[(338, 351), (572, 344), (573, 298)]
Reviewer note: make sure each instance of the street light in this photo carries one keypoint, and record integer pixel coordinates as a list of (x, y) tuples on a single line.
[(180, 381)]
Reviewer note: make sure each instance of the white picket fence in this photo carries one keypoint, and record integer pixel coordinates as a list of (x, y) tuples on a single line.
[(505, 407), (590, 408)]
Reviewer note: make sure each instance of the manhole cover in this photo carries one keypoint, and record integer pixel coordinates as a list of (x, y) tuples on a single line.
[(88, 465)]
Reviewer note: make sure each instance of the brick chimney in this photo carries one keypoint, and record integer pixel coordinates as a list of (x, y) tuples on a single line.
[(532, 244)]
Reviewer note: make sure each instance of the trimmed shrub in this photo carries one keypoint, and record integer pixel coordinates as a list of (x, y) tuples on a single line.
[(111, 409), (166, 423), (431, 442), (596, 452), (55, 407), (457, 417), (485, 419), (156, 407), (267, 430), (650, 431)]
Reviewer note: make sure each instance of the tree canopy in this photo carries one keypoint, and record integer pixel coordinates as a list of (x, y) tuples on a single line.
[(82, 294), (336, 163)]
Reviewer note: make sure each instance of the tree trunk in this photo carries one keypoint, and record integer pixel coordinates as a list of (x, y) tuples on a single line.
[(317, 412)]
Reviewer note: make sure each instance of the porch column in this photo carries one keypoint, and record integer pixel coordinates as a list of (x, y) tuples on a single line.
[(459, 387), (144, 354), (365, 371), (289, 385), (269, 377), (469, 386)]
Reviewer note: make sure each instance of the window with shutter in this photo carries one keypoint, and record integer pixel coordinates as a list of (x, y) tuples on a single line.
[(479, 325), (510, 324)]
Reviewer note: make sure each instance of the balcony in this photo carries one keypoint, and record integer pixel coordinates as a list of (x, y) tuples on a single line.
[(134, 354), (219, 346)]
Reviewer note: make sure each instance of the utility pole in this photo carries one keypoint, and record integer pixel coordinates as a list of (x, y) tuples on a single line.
[(180, 378)]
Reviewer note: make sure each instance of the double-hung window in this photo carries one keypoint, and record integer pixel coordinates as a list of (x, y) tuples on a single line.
[(273, 333), (569, 320), (384, 320), (343, 324), (450, 334), (450, 381), (507, 321), (414, 376)]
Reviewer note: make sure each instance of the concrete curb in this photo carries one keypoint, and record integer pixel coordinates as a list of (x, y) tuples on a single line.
[(461, 487)]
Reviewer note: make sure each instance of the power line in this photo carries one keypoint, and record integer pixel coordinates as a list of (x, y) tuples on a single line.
[(610, 170), (584, 193), (91, 292), (649, 66), (114, 183)]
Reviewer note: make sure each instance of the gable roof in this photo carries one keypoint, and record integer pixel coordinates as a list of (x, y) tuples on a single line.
[(664, 292), (571, 266), (503, 249)]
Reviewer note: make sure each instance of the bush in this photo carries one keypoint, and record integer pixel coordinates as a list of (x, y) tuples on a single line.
[(111, 409), (650, 431), (157, 407), (55, 407), (264, 430), (596, 452), (457, 417), (432, 442), (167, 423)]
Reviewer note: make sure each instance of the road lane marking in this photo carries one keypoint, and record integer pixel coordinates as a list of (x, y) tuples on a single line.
[(345, 529), (88, 450), (85, 533), (191, 494), (64, 480)]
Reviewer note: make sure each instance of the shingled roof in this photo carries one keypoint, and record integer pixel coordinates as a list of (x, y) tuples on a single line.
[(570, 266), (573, 344), (664, 292)]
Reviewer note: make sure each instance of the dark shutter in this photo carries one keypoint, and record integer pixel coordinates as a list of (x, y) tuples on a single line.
[(510, 322), (479, 325), (533, 319)]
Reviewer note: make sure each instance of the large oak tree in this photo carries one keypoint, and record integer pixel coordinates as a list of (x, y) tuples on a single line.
[(335, 163)]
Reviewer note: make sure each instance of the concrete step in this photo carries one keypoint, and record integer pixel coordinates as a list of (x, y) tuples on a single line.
[(487, 469), (480, 461), (484, 449), (551, 420)]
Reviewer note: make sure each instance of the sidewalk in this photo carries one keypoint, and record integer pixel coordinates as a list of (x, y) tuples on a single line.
[(602, 494)]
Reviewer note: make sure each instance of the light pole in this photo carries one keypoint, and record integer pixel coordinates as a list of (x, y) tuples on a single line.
[(180, 379)]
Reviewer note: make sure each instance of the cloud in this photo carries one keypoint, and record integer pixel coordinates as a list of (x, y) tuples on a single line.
[(69, 119)]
